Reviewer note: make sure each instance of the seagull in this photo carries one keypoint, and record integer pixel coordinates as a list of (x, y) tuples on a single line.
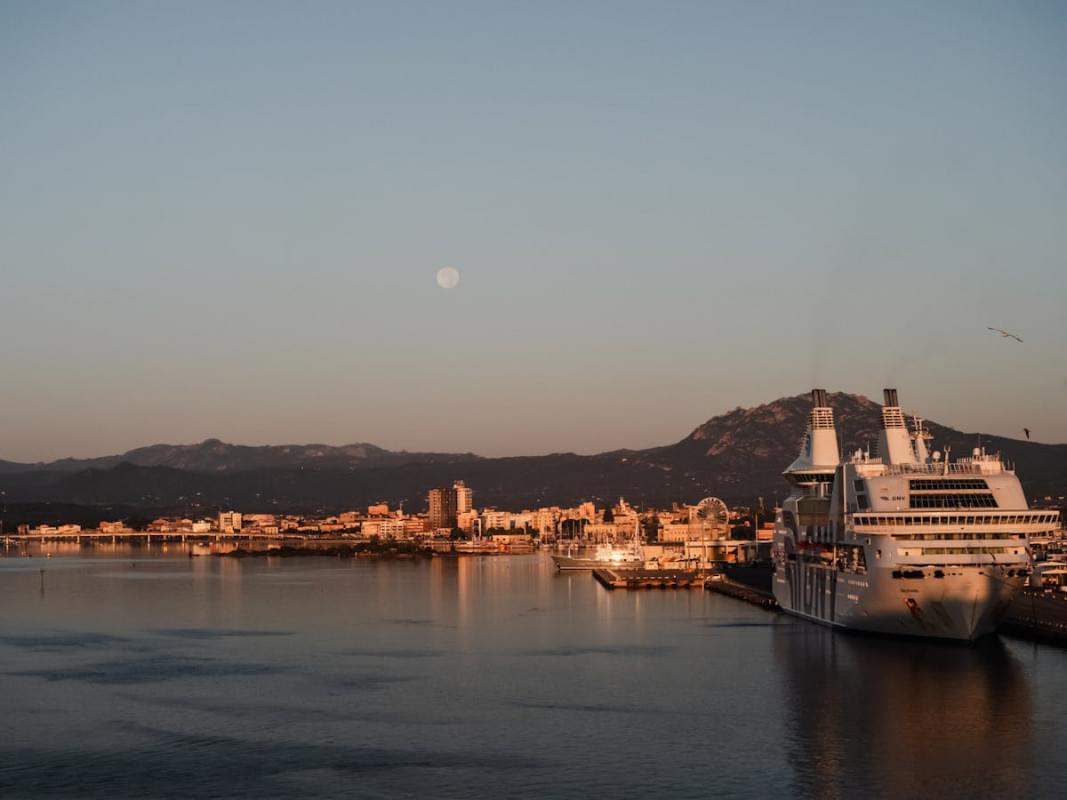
[(1005, 334), (1027, 432)]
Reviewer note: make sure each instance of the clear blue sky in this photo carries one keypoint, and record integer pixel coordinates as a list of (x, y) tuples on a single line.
[(224, 219)]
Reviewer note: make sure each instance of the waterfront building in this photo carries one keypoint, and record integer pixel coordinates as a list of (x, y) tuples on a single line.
[(169, 525), (464, 497), (442, 503), (378, 510), (626, 521), (447, 503), (229, 521), (415, 526), (545, 521), (465, 520), (602, 531), (673, 532), (513, 542), (492, 519), (393, 529)]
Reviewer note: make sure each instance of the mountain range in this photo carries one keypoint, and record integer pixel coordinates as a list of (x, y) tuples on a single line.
[(737, 456), (213, 455)]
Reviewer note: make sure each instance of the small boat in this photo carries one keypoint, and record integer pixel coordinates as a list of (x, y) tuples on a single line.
[(606, 556)]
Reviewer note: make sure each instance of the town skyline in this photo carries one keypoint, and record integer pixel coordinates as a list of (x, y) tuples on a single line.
[(736, 456)]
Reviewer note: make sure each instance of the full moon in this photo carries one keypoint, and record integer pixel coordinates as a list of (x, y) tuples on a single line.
[(448, 278)]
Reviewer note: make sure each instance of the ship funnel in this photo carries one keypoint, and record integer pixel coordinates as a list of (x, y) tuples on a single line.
[(894, 443), (822, 436)]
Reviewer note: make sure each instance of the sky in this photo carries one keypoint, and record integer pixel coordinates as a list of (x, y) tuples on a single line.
[(225, 219)]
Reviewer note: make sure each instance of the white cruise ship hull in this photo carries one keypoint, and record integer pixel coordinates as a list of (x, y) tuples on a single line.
[(968, 602)]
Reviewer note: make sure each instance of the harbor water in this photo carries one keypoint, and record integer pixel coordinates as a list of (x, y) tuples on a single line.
[(138, 672)]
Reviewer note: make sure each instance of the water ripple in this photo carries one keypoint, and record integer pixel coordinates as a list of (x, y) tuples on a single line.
[(154, 669)]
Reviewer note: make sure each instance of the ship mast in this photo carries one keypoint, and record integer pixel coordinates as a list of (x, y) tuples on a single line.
[(921, 436)]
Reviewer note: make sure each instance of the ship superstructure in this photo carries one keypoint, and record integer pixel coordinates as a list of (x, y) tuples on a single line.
[(908, 542)]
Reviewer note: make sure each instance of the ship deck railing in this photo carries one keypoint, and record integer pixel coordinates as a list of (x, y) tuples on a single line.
[(943, 468)]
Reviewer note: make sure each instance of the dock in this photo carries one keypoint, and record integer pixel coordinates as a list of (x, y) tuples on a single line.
[(1039, 615), (647, 578), (739, 591)]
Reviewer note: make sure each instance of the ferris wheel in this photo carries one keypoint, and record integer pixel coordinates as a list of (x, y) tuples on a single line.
[(711, 515)]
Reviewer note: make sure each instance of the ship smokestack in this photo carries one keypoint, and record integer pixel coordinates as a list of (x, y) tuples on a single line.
[(822, 435), (819, 450), (894, 442)]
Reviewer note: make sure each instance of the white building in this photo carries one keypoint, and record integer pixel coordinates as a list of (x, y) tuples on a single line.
[(464, 497), (493, 519), (229, 521)]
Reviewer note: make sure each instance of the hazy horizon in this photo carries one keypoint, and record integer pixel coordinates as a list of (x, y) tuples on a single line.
[(226, 221), (416, 448)]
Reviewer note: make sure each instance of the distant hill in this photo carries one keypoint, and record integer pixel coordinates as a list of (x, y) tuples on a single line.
[(737, 456), (746, 449), (213, 455)]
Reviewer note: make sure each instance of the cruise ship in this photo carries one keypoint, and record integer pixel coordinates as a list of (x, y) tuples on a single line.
[(907, 543)]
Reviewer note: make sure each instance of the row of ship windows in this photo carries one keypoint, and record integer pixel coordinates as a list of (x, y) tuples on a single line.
[(940, 537), (940, 573), (1006, 519), (943, 484), (978, 500)]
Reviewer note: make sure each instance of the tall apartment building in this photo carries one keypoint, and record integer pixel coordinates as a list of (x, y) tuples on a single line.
[(447, 504), (442, 507), (464, 497)]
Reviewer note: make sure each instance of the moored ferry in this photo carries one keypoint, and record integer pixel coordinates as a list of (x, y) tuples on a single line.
[(906, 543)]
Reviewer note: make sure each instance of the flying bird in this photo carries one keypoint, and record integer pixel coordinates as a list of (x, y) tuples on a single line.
[(1005, 334), (1027, 432)]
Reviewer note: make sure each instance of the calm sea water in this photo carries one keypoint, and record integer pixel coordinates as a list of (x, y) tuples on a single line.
[(137, 673)]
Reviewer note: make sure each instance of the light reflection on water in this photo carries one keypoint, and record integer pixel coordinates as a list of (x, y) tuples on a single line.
[(137, 672)]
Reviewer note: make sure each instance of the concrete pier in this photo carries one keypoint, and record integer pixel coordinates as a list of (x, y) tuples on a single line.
[(739, 591), (647, 579), (1037, 614)]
